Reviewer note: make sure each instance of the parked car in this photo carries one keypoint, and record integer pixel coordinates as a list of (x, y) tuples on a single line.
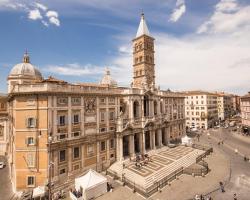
[(2, 165)]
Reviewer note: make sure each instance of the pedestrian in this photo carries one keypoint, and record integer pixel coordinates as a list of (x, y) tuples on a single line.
[(235, 197), (222, 187)]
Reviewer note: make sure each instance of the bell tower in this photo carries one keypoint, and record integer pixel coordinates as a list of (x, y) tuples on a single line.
[(143, 57)]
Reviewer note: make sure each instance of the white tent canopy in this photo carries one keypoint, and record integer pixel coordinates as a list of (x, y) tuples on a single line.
[(91, 184), (38, 192), (186, 140)]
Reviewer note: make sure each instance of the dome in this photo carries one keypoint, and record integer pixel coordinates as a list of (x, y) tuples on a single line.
[(107, 79), (25, 69)]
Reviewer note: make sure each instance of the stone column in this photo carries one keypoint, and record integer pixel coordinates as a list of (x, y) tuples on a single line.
[(82, 117), (70, 158), (55, 166), (151, 108), (159, 137), (108, 154), (131, 146), (97, 155), (69, 117), (119, 148), (143, 149), (131, 109), (152, 135), (83, 156)]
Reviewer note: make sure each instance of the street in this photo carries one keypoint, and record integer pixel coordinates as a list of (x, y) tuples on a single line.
[(239, 182)]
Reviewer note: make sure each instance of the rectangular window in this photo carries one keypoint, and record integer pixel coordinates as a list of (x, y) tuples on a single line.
[(62, 155), (102, 130), (62, 171), (30, 141), (103, 146), (76, 118), (112, 143), (76, 152), (102, 100), (62, 120), (31, 181), (111, 128), (31, 122), (102, 116), (112, 115), (76, 134)]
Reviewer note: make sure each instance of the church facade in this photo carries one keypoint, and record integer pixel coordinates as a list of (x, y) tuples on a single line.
[(58, 130)]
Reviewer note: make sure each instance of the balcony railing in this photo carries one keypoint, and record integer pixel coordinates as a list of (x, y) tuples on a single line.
[(49, 87)]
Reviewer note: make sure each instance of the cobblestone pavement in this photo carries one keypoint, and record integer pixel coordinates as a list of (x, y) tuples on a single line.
[(5, 183)]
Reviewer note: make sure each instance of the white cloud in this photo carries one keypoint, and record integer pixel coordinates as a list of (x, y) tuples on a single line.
[(35, 14), (35, 11), (52, 13), (41, 6), (227, 17), (54, 20), (53, 17), (178, 11), (75, 69)]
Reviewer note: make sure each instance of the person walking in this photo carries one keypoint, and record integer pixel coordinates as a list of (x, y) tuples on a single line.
[(235, 197), (222, 187)]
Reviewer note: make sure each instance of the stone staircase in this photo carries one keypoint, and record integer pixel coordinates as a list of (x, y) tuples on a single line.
[(184, 162), (146, 182)]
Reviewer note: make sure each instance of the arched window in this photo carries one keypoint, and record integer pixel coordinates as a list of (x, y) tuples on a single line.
[(140, 58), (136, 109), (155, 107)]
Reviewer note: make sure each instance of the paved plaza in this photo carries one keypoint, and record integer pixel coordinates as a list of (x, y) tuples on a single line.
[(186, 187)]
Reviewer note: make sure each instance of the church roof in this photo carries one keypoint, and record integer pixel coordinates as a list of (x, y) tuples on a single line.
[(107, 79), (143, 28), (25, 69)]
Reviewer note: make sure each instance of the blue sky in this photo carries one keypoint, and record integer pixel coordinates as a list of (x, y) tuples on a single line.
[(199, 44)]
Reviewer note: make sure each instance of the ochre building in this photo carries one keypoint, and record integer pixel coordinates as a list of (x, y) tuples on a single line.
[(58, 130)]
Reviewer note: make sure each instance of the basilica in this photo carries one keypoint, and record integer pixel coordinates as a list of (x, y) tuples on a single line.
[(59, 130)]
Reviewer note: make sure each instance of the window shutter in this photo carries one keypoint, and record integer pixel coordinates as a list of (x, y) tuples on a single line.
[(26, 141), (34, 141)]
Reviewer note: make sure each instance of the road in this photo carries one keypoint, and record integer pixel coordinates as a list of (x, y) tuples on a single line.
[(5, 182), (240, 169)]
